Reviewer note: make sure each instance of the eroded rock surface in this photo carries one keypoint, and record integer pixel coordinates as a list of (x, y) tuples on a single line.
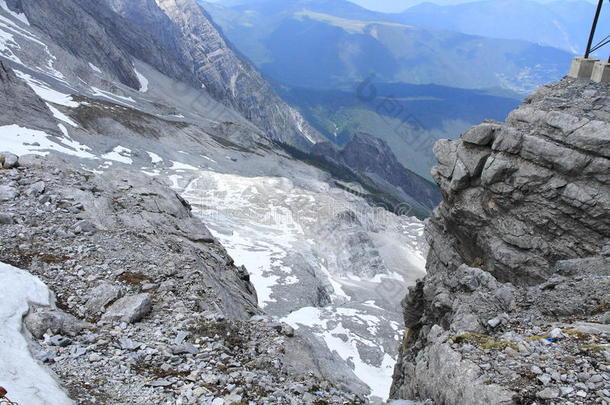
[(150, 307), (518, 268)]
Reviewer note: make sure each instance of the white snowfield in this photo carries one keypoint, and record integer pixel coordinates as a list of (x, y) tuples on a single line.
[(27, 381), (23, 141), (275, 228)]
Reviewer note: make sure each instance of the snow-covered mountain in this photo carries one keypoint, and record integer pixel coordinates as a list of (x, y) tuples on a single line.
[(152, 87)]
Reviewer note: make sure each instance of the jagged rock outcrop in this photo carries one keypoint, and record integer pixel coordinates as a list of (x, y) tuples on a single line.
[(513, 305)]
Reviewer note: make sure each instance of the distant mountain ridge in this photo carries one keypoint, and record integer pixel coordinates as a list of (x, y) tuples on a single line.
[(561, 24), (410, 118), (340, 42)]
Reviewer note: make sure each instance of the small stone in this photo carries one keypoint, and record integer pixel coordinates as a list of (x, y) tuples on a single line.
[(77, 351), (548, 393), (59, 340), (566, 391), (8, 193), (544, 379), (84, 226), (148, 286), (218, 401), (185, 348), (232, 399), (494, 322), (36, 189), (481, 134), (180, 337), (8, 160), (101, 296), (160, 383), (556, 333), (38, 322), (94, 357), (536, 370), (210, 379), (581, 394), (45, 356), (6, 219), (198, 392), (128, 344)]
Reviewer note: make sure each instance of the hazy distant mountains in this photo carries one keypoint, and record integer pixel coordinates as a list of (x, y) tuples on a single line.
[(328, 44), (562, 24), (434, 65), (410, 118)]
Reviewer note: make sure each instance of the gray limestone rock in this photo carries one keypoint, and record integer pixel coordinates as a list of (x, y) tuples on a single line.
[(481, 135), (517, 244), (130, 308), (101, 296), (8, 160), (41, 320), (8, 193)]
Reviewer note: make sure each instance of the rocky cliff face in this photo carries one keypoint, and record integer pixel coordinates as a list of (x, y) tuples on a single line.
[(176, 38), (514, 308), (186, 31)]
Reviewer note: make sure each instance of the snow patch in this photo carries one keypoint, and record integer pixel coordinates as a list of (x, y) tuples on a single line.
[(95, 68), (21, 17), (182, 166), (23, 141), (25, 379), (46, 93), (61, 116), (343, 342), (155, 158), (143, 81), (111, 96), (7, 43), (118, 155)]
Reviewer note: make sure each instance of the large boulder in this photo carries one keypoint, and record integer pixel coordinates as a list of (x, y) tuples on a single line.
[(41, 320), (130, 309)]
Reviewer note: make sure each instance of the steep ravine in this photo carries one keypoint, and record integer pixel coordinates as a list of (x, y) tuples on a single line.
[(514, 308)]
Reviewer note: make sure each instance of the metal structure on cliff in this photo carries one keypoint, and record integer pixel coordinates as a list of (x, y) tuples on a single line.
[(590, 47)]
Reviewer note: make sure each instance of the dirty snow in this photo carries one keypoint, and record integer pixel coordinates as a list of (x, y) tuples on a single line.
[(95, 68), (154, 157), (26, 381)]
